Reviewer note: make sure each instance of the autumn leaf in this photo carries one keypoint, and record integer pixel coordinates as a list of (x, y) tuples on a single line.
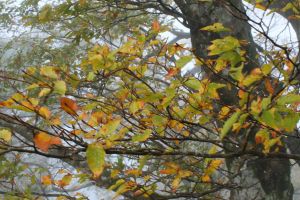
[(172, 72), (60, 87), (95, 156), (45, 112), (110, 127), (135, 172), (260, 6), (175, 183), (68, 105), (44, 92), (49, 71), (206, 179), (44, 141), (65, 181), (168, 171), (216, 27), (46, 180), (156, 26), (136, 106), (269, 86), (261, 136), (5, 135), (228, 124)]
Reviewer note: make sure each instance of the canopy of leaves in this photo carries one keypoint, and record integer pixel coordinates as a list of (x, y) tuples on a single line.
[(121, 111)]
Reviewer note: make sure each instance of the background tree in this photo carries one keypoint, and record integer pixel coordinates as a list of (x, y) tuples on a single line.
[(125, 112)]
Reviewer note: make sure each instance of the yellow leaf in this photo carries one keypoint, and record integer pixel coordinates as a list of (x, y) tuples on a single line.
[(44, 92), (134, 172), (55, 121), (175, 183), (216, 27), (46, 180), (49, 71), (136, 106), (184, 173), (5, 135), (45, 112), (60, 87)]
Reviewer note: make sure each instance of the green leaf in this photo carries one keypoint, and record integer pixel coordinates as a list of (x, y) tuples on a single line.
[(233, 57), (216, 27), (48, 71), (181, 62), (268, 118), (95, 155), (288, 99), (266, 69), (90, 76), (159, 120), (228, 124), (193, 83), (45, 13), (110, 127), (250, 79), (60, 87), (237, 73), (142, 137), (220, 46), (142, 161), (135, 106), (170, 93)]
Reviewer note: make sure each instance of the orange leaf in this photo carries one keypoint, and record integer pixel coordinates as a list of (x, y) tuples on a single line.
[(156, 26), (43, 141), (134, 172), (256, 72), (65, 181), (168, 171), (258, 139), (6, 103), (68, 105), (205, 179), (172, 72), (269, 86), (46, 180)]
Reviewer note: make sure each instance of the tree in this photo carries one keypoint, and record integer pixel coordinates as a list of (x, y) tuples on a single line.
[(124, 115)]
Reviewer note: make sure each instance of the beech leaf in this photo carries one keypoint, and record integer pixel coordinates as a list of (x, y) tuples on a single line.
[(60, 87), (228, 124), (95, 155), (68, 105)]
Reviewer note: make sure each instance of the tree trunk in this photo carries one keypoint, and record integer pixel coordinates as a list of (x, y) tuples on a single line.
[(258, 178)]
